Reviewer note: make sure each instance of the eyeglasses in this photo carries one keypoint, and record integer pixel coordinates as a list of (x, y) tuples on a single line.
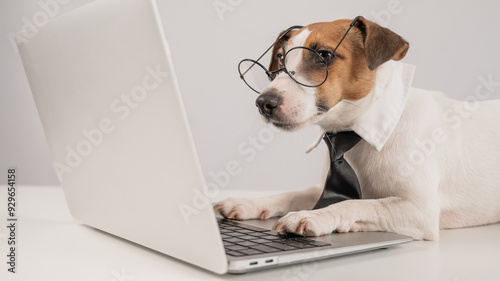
[(306, 66)]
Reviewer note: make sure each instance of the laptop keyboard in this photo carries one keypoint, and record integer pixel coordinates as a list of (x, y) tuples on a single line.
[(244, 240)]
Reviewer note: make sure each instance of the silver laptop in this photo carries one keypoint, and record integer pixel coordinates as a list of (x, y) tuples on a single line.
[(106, 92)]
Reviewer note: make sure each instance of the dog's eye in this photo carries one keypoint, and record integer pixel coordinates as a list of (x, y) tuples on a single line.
[(326, 55), (279, 57)]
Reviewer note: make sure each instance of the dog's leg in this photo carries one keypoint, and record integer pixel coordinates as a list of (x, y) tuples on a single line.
[(393, 214), (263, 208), (272, 206)]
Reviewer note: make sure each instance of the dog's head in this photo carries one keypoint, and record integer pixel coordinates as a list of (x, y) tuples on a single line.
[(351, 70)]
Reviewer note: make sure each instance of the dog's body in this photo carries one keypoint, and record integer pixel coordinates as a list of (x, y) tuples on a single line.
[(437, 167)]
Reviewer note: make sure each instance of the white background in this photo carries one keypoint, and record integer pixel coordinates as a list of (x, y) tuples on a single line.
[(452, 43)]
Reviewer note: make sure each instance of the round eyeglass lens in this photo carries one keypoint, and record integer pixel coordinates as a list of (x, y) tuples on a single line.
[(254, 75), (306, 66)]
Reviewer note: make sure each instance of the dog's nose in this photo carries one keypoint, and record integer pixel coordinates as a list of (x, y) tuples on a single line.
[(267, 103)]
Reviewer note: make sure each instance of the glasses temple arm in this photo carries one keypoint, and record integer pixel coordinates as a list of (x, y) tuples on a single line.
[(350, 26)]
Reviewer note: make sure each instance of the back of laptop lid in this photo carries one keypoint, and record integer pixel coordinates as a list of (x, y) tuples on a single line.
[(110, 106)]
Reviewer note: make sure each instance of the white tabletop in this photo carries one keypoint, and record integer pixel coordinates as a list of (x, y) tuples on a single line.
[(54, 246)]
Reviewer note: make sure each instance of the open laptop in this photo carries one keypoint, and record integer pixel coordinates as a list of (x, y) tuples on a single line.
[(106, 92)]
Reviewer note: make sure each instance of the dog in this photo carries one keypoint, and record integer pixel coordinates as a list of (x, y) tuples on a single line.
[(426, 162)]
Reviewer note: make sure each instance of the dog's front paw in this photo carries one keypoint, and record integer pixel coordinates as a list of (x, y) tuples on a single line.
[(307, 223), (243, 209)]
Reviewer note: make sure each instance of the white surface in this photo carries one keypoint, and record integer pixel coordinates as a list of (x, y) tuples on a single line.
[(53, 246), (452, 43)]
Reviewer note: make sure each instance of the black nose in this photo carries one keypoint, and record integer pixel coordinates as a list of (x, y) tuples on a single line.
[(267, 103)]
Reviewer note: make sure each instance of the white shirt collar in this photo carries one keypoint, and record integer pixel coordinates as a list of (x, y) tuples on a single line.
[(380, 110)]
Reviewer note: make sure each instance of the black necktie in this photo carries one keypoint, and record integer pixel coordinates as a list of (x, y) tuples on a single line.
[(341, 183)]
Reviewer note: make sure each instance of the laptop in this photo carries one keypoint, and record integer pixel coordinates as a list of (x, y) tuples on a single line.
[(107, 95)]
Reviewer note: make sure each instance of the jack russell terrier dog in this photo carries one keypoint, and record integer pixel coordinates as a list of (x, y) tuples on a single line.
[(425, 162)]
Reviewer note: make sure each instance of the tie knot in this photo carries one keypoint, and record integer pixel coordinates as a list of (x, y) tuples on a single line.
[(339, 143)]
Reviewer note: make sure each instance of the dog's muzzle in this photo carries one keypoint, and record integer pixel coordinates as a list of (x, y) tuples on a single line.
[(267, 103)]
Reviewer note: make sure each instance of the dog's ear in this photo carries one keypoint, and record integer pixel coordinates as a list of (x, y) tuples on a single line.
[(273, 65), (380, 43)]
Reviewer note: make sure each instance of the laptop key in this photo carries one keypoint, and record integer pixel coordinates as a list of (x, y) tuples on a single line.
[(266, 249), (234, 240), (245, 226), (259, 234), (289, 235), (250, 252), (280, 246), (279, 240), (302, 239), (270, 237), (232, 228), (300, 245), (236, 248), (261, 241), (234, 233), (244, 230), (247, 237), (235, 253), (248, 243), (317, 243)]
